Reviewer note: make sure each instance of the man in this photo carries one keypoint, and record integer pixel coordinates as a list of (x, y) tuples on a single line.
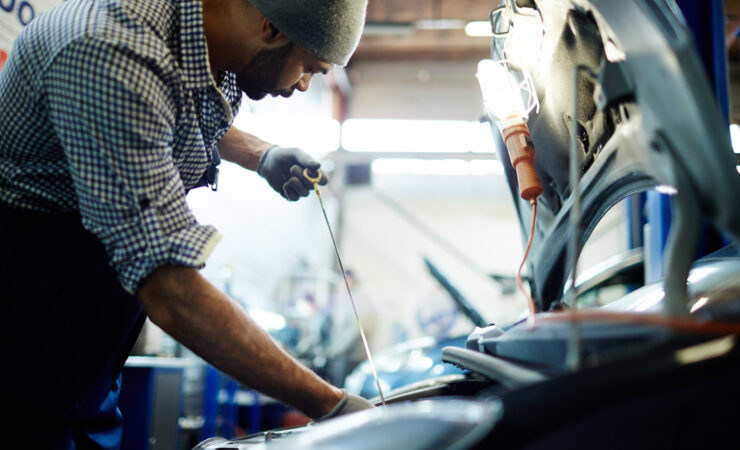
[(110, 111)]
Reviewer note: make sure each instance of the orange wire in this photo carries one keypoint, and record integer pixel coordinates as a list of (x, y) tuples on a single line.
[(672, 323), (530, 300)]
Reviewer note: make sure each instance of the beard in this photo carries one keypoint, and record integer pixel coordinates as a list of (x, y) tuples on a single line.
[(262, 73)]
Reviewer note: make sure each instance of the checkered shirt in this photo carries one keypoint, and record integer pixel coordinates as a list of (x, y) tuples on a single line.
[(108, 107)]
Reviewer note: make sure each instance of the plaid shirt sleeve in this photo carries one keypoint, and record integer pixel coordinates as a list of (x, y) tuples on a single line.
[(115, 118)]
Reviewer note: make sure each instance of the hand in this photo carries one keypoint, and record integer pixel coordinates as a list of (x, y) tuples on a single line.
[(348, 404), (283, 170)]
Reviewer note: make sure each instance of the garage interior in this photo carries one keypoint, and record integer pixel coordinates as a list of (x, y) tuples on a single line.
[(402, 193), (422, 211), (414, 178)]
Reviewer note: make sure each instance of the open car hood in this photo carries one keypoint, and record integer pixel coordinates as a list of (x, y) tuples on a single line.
[(646, 117)]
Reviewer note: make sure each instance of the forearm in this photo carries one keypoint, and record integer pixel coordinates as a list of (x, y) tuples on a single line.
[(215, 327), (242, 148)]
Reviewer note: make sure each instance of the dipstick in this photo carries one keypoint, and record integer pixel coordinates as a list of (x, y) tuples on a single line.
[(315, 181)]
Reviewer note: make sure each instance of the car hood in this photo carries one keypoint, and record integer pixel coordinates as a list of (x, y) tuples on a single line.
[(646, 118)]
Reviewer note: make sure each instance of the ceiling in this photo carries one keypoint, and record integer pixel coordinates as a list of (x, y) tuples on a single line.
[(732, 26), (399, 29)]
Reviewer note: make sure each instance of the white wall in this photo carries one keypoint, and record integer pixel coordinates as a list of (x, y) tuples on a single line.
[(472, 214), (268, 240), (278, 251), (265, 238), (420, 89)]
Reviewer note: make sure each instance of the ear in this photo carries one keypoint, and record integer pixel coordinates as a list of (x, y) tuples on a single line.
[(270, 35)]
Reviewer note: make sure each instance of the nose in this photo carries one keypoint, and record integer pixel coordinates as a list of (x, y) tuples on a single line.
[(302, 84)]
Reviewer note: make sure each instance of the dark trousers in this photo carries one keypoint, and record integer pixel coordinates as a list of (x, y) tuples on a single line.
[(66, 328)]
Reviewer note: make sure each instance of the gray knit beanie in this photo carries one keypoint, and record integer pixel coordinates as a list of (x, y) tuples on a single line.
[(330, 29)]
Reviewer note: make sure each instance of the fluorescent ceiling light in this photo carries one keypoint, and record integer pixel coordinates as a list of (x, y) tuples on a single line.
[(735, 137), (404, 28), (419, 136), (449, 167), (479, 29), (439, 24)]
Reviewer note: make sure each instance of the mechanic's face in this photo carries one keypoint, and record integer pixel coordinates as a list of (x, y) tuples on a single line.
[(280, 71)]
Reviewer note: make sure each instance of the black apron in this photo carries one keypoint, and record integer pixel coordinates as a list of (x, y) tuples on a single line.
[(66, 328)]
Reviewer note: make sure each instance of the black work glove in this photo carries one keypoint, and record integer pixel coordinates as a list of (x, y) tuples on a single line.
[(283, 170), (348, 404)]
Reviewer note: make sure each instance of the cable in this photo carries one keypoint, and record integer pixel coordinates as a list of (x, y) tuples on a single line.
[(671, 323), (521, 154), (530, 300)]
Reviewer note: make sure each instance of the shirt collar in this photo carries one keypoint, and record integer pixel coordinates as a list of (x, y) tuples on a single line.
[(193, 49)]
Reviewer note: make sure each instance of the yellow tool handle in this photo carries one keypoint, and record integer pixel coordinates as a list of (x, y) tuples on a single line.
[(315, 180)]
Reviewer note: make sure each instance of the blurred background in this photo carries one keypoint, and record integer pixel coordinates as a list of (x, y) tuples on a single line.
[(418, 202), (415, 184)]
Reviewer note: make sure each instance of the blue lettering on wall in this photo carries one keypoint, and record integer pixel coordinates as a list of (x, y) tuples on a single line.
[(6, 5), (25, 13)]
